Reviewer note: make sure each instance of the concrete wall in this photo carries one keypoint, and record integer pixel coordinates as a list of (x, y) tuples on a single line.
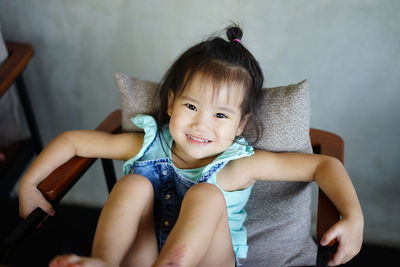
[(347, 49)]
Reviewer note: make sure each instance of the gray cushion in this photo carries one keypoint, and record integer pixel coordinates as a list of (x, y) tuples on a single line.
[(279, 213)]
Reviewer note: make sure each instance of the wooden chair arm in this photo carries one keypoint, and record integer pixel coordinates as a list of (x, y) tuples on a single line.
[(18, 58), (54, 187), (58, 183), (329, 144)]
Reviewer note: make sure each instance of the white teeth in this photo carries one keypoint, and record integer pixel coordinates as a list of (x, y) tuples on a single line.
[(198, 139)]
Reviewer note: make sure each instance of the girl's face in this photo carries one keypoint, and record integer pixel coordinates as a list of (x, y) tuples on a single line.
[(204, 121)]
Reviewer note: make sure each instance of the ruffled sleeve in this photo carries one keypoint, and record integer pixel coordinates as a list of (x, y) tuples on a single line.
[(239, 149), (149, 125)]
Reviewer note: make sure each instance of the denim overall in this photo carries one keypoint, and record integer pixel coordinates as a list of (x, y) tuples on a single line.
[(170, 183)]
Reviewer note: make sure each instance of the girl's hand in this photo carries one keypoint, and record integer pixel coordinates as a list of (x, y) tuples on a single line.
[(349, 234), (72, 260), (30, 198)]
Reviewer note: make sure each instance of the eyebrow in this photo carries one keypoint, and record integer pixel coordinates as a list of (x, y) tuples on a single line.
[(224, 108)]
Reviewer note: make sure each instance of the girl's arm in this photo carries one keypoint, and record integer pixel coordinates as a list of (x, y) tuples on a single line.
[(331, 177), (327, 171), (63, 148)]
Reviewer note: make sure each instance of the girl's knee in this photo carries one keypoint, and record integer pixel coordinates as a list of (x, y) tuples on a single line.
[(136, 178), (207, 193), (137, 183)]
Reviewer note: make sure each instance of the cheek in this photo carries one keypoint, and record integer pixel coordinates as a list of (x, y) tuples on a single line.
[(176, 123), (172, 124), (228, 131), (176, 116), (235, 128)]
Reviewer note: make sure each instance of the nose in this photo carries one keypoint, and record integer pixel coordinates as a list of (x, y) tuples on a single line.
[(201, 122)]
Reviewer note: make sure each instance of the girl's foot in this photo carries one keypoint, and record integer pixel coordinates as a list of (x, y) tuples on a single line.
[(72, 260)]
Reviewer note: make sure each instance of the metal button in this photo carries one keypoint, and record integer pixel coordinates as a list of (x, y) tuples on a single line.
[(164, 172), (166, 223), (167, 196)]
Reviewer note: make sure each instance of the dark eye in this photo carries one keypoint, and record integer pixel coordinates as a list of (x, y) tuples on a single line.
[(191, 107), (221, 116)]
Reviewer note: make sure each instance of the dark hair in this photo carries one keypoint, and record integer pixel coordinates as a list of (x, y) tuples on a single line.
[(218, 61)]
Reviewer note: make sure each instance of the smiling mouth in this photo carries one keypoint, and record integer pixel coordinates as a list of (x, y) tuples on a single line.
[(205, 141)]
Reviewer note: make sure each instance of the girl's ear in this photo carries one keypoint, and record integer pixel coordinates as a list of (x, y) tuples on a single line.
[(171, 98), (242, 124)]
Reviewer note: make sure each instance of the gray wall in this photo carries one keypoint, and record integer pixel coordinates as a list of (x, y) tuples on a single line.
[(347, 49)]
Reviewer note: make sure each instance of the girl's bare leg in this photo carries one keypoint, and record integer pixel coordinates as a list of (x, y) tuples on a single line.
[(201, 234), (125, 233), (144, 249)]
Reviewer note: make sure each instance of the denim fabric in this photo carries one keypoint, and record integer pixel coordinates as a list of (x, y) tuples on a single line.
[(169, 190)]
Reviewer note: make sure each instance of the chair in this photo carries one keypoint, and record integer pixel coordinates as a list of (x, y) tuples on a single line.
[(19, 153), (56, 185)]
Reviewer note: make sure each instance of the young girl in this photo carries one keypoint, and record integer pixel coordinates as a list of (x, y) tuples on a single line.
[(188, 177)]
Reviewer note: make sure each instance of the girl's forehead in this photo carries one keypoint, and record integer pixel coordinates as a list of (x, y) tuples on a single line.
[(213, 90)]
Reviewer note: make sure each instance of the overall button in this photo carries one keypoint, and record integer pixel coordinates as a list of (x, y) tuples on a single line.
[(167, 196), (166, 223), (164, 172)]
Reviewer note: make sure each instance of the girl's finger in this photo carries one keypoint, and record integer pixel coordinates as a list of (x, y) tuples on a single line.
[(339, 257), (329, 238), (48, 208)]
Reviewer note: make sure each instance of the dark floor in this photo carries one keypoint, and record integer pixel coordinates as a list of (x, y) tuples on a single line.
[(64, 233), (60, 234)]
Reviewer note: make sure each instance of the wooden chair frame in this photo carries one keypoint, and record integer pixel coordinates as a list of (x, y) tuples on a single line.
[(19, 153)]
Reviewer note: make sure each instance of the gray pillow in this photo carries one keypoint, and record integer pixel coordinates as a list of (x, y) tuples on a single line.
[(279, 213)]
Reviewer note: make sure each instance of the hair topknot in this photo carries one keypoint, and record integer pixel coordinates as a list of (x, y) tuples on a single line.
[(234, 32)]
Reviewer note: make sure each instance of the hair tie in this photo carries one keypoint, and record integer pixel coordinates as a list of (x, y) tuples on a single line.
[(236, 40)]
